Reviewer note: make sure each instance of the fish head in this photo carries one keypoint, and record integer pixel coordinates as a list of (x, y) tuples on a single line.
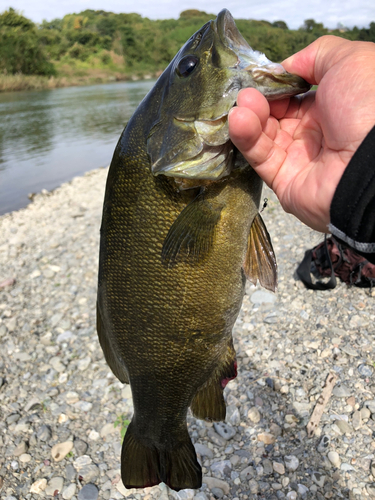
[(190, 138)]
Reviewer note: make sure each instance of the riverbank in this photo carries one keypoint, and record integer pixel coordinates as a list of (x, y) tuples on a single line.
[(11, 83), (59, 400)]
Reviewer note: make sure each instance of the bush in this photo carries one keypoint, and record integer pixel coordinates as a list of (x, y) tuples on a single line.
[(21, 50)]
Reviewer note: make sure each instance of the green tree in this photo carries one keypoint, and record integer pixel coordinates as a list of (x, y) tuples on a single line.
[(280, 24), (21, 50)]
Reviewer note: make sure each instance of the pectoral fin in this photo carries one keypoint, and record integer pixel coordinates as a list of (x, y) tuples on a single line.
[(260, 261), (192, 233)]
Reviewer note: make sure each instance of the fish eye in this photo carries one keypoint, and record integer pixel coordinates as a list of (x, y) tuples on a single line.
[(187, 65)]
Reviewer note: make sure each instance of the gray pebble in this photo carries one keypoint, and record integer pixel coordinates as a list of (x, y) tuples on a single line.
[(203, 450), (89, 473), (302, 489), (318, 478), (267, 466), (44, 433), (323, 444), (233, 416), (215, 438), (346, 467), (357, 420), (291, 462), (69, 491), (217, 492), (80, 447), (343, 426), (365, 370), (70, 472), (342, 391), (370, 404), (224, 430), (200, 496), (247, 473), (54, 485), (88, 492), (262, 297)]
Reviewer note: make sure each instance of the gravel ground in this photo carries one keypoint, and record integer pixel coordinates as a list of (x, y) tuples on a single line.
[(59, 401)]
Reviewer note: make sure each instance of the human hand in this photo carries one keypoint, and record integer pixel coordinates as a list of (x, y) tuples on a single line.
[(302, 145)]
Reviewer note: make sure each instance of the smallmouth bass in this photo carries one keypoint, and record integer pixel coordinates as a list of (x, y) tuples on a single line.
[(181, 232)]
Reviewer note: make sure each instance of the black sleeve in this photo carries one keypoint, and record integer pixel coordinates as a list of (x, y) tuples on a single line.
[(353, 206)]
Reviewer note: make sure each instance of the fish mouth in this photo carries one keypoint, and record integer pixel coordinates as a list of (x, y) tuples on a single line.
[(254, 68)]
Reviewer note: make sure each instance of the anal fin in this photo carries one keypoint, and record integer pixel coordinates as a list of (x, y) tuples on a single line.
[(208, 403), (110, 356), (260, 261)]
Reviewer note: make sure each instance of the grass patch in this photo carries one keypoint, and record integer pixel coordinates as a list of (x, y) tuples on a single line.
[(122, 422)]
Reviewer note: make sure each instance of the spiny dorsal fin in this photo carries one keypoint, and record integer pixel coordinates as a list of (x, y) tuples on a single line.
[(260, 261), (192, 233)]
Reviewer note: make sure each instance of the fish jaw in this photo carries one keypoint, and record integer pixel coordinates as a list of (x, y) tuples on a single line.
[(254, 68)]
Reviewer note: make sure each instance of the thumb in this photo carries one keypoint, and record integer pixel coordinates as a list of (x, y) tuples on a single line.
[(316, 59)]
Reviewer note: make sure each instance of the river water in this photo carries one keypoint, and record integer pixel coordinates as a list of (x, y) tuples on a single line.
[(48, 137)]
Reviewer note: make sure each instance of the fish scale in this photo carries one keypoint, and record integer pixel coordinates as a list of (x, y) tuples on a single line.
[(181, 231)]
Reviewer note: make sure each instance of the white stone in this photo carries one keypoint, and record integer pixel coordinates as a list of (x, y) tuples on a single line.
[(69, 491), (334, 458), (60, 450), (38, 486), (213, 482)]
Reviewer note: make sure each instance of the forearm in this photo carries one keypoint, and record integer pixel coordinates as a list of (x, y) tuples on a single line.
[(353, 206)]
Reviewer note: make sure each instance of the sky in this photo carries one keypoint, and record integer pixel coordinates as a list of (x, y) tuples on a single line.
[(330, 12)]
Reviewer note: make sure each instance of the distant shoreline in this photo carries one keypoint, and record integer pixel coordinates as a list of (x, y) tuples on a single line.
[(15, 83)]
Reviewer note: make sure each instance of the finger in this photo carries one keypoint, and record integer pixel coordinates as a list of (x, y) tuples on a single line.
[(314, 61), (254, 100), (279, 108), (245, 128), (259, 150)]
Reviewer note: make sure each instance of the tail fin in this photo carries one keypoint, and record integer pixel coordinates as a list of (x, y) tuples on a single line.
[(145, 463)]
